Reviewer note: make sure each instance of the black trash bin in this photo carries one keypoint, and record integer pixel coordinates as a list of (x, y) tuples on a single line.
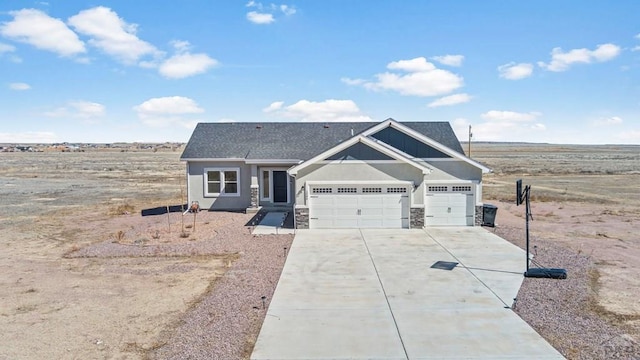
[(489, 215)]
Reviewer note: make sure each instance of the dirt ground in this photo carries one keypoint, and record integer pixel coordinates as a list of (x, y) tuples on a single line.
[(65, 293), (56, 305), (583, 198)]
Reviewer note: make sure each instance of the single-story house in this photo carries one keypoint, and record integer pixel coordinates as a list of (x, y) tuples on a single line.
[(337, 175)]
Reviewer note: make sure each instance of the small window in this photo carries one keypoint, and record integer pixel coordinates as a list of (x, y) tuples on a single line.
[(396, 190), (347, 190), (222, 182), (371, 190), (438, 188), (463, 188), (323, 190)]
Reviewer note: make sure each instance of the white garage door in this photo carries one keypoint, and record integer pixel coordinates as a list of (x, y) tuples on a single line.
[(358, 206), (452, 205)]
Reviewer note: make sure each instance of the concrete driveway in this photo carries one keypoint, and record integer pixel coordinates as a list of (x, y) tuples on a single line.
[(372, 294)]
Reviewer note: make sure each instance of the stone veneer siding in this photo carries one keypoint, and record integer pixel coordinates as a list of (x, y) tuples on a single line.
[(302, 218), (479, 218), (254, 197), (416, 218)]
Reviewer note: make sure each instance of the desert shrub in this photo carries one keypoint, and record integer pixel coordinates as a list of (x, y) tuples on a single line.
[(119, 236), (122, 209)]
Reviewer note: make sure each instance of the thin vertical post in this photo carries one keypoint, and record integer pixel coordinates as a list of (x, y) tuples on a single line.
[(527, 215), (469, 143)]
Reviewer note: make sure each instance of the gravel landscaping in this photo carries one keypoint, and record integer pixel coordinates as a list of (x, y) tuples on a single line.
[(565, 312), (224, 323)]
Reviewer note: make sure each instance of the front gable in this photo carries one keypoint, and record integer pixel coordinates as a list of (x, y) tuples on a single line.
[(408, 144), (359, 151), (360, 146), (437, 147)]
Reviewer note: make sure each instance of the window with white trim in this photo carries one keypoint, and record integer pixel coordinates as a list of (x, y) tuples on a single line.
[(222, 182)]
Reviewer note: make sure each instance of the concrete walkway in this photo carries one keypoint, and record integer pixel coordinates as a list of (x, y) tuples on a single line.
[(273, 223), (372, 294)]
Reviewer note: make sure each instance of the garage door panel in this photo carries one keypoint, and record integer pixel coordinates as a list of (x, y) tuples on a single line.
[(362, 210), (449, 208), (345, 212)]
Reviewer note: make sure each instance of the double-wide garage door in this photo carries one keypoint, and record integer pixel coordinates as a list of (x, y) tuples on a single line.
[(447, 204), (358, 206)]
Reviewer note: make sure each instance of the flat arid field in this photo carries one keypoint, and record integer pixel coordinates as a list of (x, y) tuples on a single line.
[(585, 204), (84, 275)]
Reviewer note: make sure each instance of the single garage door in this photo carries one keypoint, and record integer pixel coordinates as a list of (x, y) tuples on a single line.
[(358, 206), (449, 205)]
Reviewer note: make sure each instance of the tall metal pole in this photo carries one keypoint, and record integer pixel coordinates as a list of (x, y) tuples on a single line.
[(469, 144), (526, 213)]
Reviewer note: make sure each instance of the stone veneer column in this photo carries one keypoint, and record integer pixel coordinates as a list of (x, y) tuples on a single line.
[(254, 196), (416, 218), (479, 217), (302, 217)]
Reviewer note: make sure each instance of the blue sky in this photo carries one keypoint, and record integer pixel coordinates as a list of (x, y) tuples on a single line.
[(535, 71)]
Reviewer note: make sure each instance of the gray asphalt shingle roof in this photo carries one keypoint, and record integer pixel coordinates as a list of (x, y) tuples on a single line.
[(300, 141)]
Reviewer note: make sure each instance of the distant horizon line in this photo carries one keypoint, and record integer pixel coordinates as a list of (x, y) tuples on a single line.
[(185, 142)]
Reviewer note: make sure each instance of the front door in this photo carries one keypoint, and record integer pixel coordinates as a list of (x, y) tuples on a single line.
[(280, 186)]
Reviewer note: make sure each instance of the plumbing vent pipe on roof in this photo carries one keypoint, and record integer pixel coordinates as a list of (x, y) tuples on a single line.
[(351, 131)]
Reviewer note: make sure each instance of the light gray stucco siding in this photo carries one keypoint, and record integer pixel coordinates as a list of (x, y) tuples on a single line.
[(453, 170), (197, 186)]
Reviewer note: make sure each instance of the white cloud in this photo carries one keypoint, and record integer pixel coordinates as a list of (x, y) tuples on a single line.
[(87, 109), (287, 10), (36, 28), (330, 110), (450, 100), (513, 71), (166, 111), (260, 18), (509, 116), (561, 61), (266, 14), (419, 64), (450, 60), (79, 109), (503, 126), (185, 65), (418, 78), (111, 34), (277, 105), (5, 48), (181, 46), (352, 82), (29, 137), (19, 86), (614, 120)]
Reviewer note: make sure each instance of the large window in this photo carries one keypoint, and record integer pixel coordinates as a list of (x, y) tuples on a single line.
[(222, 181)]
